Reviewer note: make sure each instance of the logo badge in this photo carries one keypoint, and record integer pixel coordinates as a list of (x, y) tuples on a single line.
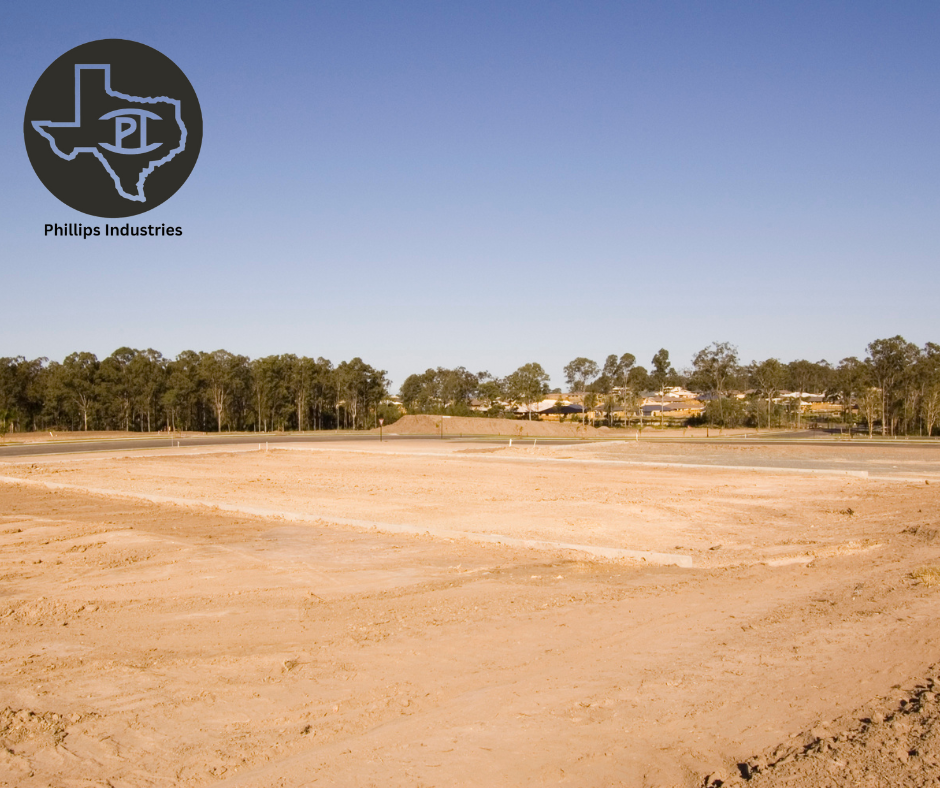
[(113, 128)]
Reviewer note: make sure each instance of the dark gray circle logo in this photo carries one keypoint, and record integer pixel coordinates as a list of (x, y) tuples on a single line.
[(113, 128)]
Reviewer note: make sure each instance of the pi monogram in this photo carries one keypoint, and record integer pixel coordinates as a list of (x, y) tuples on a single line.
[(113, 128)]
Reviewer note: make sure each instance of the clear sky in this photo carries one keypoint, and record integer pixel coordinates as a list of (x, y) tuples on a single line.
[(491, 183)]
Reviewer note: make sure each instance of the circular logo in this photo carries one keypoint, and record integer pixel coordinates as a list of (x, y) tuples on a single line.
[(113, 128)]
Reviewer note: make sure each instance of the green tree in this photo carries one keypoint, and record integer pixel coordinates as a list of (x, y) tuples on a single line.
[(80, 378), (492, 391), (20, 390), (662, 370), (362, 388), (767, 377), (301, 379), (715, 367), (890, 361), (930, 402), (852, 380), (183, 398), (527, 385), (6, 422), (580, 373), (116, 388), (226, 380), (728, 413), (420, 393), (147, 372)]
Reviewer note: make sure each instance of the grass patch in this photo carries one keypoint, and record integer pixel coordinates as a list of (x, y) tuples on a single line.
[(928, 575)]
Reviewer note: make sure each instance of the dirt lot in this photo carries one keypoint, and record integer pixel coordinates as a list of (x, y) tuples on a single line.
[(337, 620), (463, 425)]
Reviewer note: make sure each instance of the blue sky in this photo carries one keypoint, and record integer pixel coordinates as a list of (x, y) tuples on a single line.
[(487, 184)]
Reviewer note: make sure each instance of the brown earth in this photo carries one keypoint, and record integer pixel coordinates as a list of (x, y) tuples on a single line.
[(465, 425), (158, 644)]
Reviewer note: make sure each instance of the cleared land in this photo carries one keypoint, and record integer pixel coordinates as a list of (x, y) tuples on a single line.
[(316, 631)]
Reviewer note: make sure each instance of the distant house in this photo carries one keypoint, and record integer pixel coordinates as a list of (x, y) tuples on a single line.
[(672, 408), (549, 407)]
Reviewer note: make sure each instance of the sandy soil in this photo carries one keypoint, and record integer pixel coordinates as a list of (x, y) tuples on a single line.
[(146, 644), (462, 425)]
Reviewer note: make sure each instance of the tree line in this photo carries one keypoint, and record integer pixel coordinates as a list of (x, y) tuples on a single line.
[(894, 389), (140, 390)]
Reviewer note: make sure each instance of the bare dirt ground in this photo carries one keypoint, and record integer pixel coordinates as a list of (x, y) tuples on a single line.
[(463, 425), (275, 644)]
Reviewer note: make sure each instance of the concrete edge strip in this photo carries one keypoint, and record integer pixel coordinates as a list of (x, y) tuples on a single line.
[(611, 553)]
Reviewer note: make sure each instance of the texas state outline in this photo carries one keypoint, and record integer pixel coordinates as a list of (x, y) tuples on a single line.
[(41, 125)]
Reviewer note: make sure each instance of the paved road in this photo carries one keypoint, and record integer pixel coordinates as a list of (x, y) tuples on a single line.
[(128, 444)]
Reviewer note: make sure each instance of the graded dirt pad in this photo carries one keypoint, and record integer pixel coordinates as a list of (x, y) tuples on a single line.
[(914, 460), (151, 644), (451, 426), (464, 425)]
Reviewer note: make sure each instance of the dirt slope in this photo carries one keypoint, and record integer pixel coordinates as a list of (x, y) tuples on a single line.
[(461, 425)]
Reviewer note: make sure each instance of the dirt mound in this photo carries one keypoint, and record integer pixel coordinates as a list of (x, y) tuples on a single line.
[(897, 745), (463, 425)]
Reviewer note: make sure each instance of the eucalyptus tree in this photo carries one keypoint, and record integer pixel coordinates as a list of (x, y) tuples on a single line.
[(52, 391), (457, 388), (6, 422), (362, 388), (270, 401), (147, 371), (80, 381), (183, 398), (715, 367), (580, 373), (29, 387), (440, 390), (323, 392), (662, 370), (890, 361), (9, 390), (767, 377), (20, 390), (852, 379), (492, 392), (117, 389), (420, 393), (527, 385), (930, 402), (301, 376), (801, 376), (225, 377), (614, 376), (626, 382)]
